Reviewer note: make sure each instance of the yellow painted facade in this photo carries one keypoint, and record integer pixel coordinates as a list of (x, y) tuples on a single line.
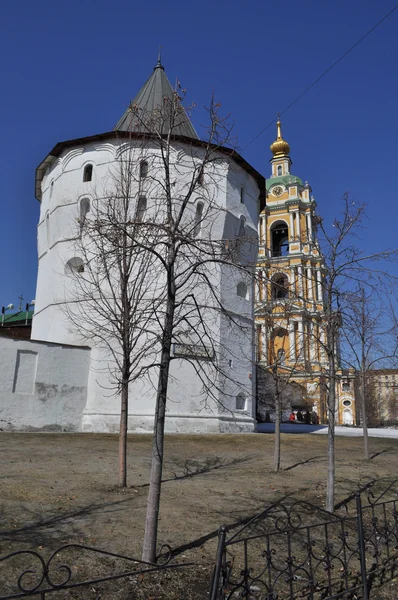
[(289, 296)]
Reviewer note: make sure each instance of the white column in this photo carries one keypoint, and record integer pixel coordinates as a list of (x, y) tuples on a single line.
[(322, 345), (264, 342), (292, 345), (264, 222), (298, 224), (291, 227), (312, 342), (300, 340), (309, 226), (309, 284), (318, 278), (300, 280)]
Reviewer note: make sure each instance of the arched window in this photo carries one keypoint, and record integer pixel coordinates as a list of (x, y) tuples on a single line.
[(242, 227), (51, 189), (84, 210), (88, 173), (240, 402), (280, 341), (281, 356), (242, 195), (141, 208), (48, 232), (198, 219), (279, 170), (74, 265), (143, 169), (280, 239), (241, 289), (279, 286)]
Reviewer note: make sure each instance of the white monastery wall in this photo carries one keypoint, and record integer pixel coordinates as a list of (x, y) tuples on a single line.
[(43, 387)]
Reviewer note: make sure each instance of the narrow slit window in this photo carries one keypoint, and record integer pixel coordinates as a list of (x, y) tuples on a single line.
[(242, 195), (141, 208), (88, 173), (198, 219), (241, 289), (143, 169), (240, 402), (84, 210), (201, 176), (242, 227)]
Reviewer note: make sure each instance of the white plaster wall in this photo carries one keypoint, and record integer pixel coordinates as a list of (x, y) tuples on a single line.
[(189, 409), (42, 386)]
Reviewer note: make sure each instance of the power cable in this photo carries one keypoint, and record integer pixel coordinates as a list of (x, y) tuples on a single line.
[(324, 73)]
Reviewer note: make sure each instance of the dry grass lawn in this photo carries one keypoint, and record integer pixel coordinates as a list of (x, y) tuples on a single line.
[(61, 488)]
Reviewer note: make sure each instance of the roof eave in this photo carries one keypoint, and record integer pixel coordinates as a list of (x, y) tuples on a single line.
[(230, 152)]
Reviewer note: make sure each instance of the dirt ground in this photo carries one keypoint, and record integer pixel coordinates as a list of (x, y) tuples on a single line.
[(58, 489)]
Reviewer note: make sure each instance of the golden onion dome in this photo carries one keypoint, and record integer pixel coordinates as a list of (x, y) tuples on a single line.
[(280, 147)]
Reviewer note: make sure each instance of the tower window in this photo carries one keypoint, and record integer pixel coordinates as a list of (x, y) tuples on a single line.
[(198, 219), (281, 357), (242, 227), (280, 239), (84, 210), (279, 170), (279, 286), (201, 176), (141, 208), (346, 386), (242, 195), (51, 189), (240, 402), (143, 169), (74, 265), (241, 289), (88, 173)]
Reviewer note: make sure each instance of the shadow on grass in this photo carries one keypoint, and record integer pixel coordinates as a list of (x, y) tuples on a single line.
[(46, 529), (304, 462)]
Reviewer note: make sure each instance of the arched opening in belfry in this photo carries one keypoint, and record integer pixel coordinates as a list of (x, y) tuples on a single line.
[(279, 239), (279, 286)]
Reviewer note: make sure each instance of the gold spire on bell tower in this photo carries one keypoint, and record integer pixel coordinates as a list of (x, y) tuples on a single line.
[(280, 147)]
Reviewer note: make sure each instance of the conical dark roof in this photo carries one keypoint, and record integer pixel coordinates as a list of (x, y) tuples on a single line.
[(149, 99)]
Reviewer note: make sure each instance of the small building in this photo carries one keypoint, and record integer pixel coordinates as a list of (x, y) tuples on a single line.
[(17, 325)]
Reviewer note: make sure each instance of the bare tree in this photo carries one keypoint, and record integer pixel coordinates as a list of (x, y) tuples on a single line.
[(191, 251), (280, 364), (370, 337), (110, 300), (346, 265)]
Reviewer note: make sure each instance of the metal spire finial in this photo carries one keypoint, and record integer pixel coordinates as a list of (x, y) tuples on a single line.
[(159, 65)]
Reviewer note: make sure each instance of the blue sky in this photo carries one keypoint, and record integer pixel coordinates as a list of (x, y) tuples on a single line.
[(69, 69)]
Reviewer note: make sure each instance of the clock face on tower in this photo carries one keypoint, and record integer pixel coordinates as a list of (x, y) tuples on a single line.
[(277, 190)]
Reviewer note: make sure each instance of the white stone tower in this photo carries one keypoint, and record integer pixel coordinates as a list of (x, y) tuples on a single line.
[(67, 183)]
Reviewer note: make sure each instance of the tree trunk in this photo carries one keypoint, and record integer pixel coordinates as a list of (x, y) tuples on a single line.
[(277, 449), (331, 432), (123, 434), (364, 416), (155, 481)]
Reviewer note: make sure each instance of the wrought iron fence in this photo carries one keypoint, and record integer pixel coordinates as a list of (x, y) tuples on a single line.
[(301, 551), (28, 573)]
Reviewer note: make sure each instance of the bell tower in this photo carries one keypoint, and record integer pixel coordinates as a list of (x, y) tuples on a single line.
[(289, 301)]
